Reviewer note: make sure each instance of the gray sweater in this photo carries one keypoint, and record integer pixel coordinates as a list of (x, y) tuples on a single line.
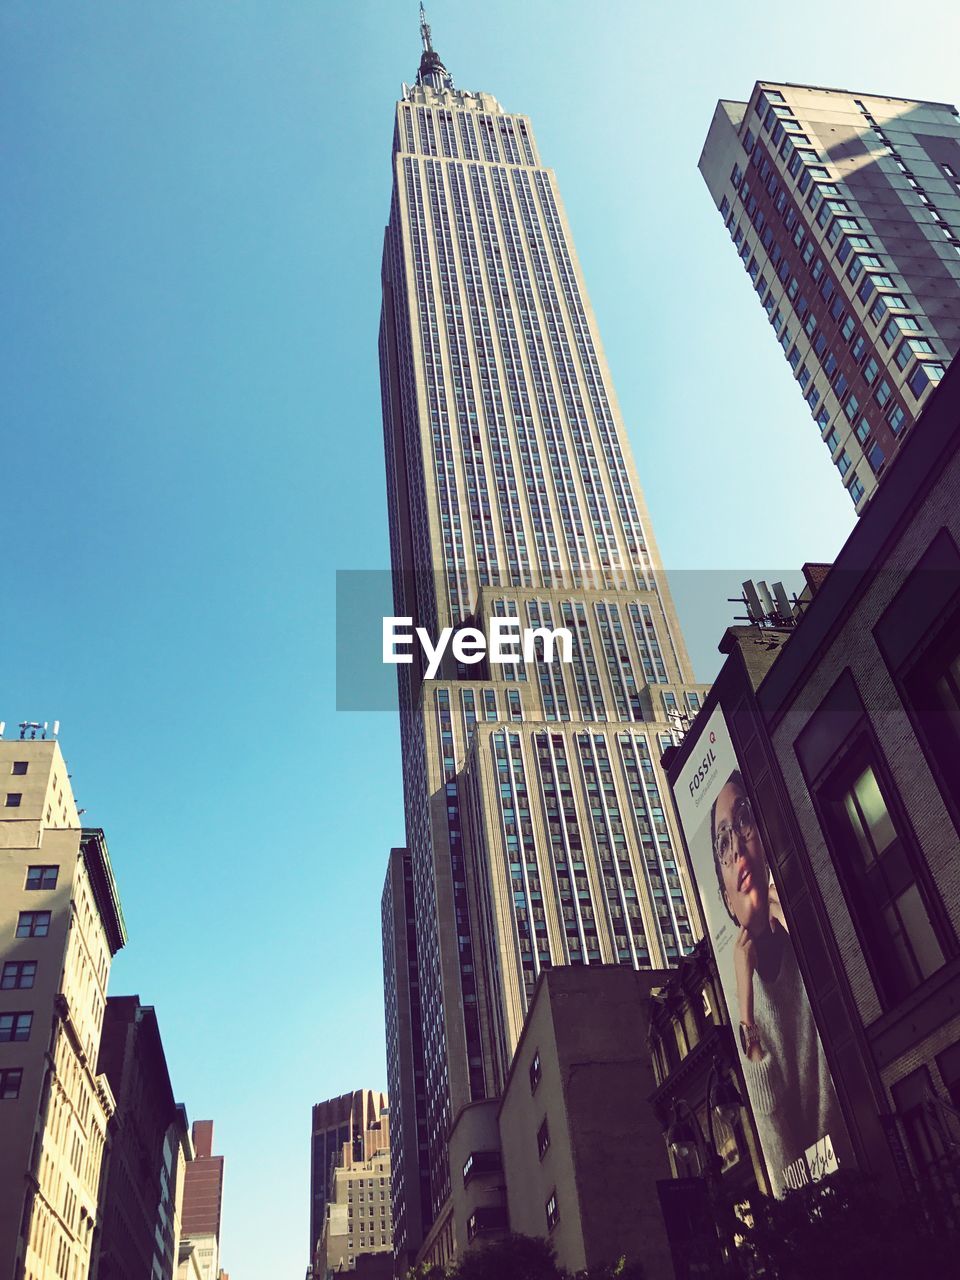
[(794, 1101)]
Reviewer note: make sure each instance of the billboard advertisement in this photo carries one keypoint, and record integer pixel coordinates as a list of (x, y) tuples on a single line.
[(791, 1093)]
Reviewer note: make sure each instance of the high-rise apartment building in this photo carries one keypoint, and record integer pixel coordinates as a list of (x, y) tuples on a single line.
[(536, 828), (355, 1123), (60, 927), (845, 211)]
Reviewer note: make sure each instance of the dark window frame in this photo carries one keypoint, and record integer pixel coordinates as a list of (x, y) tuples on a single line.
[(836, 777), (552, 1215), (45, 883), (543, 1138), (536, 1071), (10, 1078), (34, 917), (16, 969), (18, 1035)]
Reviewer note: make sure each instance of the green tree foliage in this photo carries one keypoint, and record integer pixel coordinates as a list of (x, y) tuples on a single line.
[(841, 1229), (513, 1257)]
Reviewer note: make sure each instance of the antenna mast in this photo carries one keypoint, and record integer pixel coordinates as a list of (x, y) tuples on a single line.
[(425, 34)]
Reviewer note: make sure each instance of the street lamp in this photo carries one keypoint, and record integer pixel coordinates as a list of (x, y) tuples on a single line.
[(685, 1136)]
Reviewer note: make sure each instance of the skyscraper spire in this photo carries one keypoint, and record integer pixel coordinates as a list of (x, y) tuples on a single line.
[(425, 34), (432, 71)]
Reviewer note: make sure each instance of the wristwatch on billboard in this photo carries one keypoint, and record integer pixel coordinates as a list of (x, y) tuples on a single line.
[(749, 1036)]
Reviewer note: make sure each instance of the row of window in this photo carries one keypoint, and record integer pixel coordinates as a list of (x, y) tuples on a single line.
[(942, 225), (856, 248)]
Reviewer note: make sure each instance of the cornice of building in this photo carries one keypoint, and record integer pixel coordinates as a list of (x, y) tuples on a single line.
[(93, 846)]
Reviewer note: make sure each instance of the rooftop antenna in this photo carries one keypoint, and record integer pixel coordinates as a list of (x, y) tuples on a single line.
[(425, 33)]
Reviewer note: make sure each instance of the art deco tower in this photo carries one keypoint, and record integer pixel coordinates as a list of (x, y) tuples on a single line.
[(536, 830)]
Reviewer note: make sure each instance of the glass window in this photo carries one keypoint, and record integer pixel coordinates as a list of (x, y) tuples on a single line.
[(10, 1081), (33, 924), (896, 419), (874, 864), (543, 1138), (923, 376), (42, 877), (18, 975), (553, 1212), (15, 1027), (876, 458)]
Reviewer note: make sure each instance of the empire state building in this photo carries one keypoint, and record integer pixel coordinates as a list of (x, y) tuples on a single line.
[(536, 828)]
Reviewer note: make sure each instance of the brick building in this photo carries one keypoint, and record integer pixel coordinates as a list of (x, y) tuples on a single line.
[(847, 731)]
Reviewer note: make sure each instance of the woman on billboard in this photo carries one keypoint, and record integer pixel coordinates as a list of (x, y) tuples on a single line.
[(794, 1101)]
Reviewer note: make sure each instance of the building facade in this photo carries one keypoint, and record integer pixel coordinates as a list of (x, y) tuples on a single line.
[(690, 1040), (847, 732), (60, 927), (355, 1121), (142, 1188), (582, 1149), (536, 828), (357, 1231), (844, 209), (410, 1180), (203, 1200)]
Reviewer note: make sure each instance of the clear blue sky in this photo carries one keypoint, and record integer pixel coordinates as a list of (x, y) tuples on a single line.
[(190, 230)]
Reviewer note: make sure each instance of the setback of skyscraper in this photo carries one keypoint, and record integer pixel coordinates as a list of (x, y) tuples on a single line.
[(536, 827), (845, 211)]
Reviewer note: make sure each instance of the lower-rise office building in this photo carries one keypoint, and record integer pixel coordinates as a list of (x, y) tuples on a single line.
[(142, 1188), (357, 1221), (356, 1121), (572, 1152), (203, 1200), (60, 927), (819, 791)]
